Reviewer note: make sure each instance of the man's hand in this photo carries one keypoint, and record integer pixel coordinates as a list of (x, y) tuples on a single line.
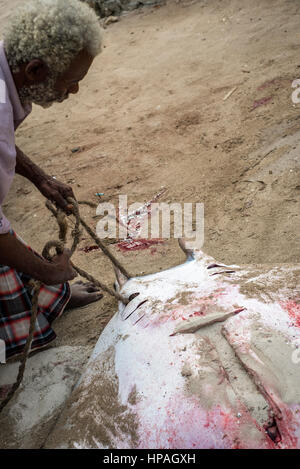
[(63, 270), (57, 192), (16, 255)]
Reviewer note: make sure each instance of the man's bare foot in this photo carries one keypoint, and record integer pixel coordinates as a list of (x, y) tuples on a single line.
[(83, 294)]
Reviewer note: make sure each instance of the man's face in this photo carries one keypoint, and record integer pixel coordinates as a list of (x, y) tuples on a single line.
[(56, 90)]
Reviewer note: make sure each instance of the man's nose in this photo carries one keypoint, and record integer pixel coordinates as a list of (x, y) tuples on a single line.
[(74, 88)]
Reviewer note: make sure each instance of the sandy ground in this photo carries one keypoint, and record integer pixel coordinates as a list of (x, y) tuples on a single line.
[(152, 114)]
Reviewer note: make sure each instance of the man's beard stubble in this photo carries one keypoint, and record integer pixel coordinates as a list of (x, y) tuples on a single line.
[(42, 94)]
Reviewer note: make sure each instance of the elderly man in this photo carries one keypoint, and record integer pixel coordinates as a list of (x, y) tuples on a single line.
[(47, 50)]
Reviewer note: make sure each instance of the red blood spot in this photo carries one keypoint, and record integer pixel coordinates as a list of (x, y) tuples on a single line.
[(261, 102), (239, 310), (138, 244), (237, 446), (198, 313), (293, 310)]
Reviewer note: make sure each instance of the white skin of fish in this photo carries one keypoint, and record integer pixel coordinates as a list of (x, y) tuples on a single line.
[(149, 359)]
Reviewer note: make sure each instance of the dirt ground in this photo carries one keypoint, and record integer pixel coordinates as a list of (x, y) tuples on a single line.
[(152, 114)]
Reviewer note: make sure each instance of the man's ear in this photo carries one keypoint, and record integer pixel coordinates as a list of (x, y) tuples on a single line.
[(36, 71)]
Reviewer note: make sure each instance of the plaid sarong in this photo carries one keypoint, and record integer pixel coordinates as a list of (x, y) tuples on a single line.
[(15, 309)]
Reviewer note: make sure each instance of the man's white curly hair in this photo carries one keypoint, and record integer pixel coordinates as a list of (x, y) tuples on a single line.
[(52, 30)]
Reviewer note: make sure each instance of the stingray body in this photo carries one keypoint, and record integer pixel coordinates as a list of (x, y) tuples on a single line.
[(205, 356)]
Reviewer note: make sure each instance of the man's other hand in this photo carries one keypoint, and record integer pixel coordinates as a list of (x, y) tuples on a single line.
[(17, 256), (57, 192), (63, 271)]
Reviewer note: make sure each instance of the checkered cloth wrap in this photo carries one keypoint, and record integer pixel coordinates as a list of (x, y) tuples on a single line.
[(15, 309)]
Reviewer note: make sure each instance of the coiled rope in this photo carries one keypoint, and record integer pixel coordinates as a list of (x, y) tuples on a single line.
[(36, 285)]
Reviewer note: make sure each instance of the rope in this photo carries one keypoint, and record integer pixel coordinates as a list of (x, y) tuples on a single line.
[(97, 240), (36, 290), (59, 246), (61, 220)]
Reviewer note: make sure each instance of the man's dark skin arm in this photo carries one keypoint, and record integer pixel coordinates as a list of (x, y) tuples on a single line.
[(15, 254), (52, 189)]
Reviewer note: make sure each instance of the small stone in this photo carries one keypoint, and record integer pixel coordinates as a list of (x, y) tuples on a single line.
[(111, 19), (75, 150)]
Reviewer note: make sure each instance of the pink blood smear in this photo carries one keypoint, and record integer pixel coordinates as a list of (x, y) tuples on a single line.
[(188, 425), (261, 102), (197, 313), (138, 244), (293, 310)]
